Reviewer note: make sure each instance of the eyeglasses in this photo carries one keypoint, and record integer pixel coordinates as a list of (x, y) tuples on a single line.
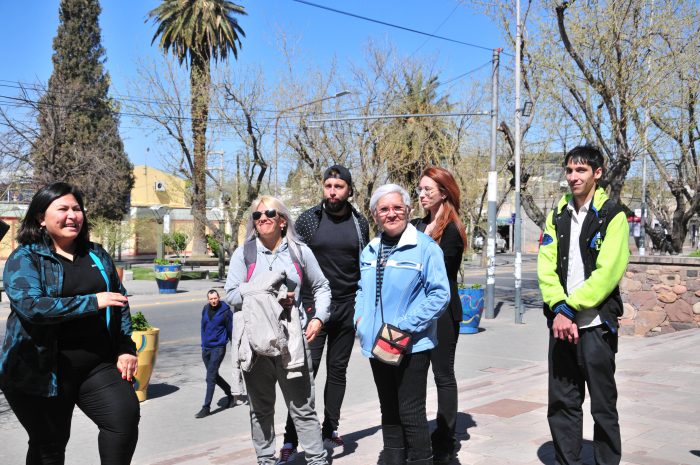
[(427, 190), (271, 213), (398, 211)]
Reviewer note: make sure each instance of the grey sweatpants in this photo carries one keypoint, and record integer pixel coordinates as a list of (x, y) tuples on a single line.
[(300, 398)]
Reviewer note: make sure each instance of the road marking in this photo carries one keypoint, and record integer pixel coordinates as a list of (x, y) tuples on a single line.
[(155, 304)]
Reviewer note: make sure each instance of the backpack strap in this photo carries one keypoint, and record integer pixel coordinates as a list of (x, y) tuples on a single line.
[(250, 258), (100, 266), (294, 254)]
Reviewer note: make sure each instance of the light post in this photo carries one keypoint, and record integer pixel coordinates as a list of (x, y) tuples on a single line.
[(277, 122), (517, 230), (159, 212)]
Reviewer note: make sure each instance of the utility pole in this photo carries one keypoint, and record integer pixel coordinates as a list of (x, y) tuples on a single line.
[(518, 221), (645, 138), (492, 193)]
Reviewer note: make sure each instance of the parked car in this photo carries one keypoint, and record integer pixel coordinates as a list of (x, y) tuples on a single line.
[(501, 245)]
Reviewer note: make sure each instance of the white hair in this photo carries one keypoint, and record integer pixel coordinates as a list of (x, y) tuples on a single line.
[(389, 189)]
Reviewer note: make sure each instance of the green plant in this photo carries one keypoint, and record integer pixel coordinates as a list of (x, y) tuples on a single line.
[(214, 244), (139, 322), (469, 286), (111, 233), (166, 261), (694, 253), (177, 241)]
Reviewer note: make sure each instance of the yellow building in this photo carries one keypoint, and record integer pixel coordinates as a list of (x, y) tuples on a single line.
[(155, 187), (157, 197)]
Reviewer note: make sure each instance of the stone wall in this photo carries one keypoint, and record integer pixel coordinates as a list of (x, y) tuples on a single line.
[(661, 294)]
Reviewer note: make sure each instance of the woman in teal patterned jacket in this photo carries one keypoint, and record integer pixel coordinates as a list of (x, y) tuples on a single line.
[(68, 337)]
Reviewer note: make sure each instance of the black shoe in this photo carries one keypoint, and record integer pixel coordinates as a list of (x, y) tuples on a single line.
[(203, 413), (442, 457), (230, 401)]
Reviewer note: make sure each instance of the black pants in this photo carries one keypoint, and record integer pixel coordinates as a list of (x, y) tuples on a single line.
[(106, 398), (340, 333), (212, 359), (442, 359), (571, 367), (402, 391)]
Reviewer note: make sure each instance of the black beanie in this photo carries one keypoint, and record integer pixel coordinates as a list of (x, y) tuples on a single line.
[(338, 172)]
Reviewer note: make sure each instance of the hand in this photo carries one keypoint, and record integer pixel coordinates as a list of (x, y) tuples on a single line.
[(565, 329), (288, 302), (127, 365), (312, 329), (110, 299)]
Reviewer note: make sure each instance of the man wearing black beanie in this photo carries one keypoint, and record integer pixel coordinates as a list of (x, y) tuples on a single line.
[(336, 233)]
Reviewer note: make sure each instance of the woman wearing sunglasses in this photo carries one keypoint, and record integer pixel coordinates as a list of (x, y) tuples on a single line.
[(277, 253), (438, 193)]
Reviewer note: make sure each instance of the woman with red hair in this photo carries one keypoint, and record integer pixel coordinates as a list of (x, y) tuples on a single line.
[(439, 196)]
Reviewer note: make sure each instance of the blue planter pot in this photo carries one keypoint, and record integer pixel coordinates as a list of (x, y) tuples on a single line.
[(472, 308), (168, 277)]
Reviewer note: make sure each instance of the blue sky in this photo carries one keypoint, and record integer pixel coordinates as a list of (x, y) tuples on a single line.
[(27, 29)]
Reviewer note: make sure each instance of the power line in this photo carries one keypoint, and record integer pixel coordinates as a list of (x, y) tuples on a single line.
[(415, 31)]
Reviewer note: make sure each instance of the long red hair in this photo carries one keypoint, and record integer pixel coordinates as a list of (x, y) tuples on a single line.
[(450, 205)]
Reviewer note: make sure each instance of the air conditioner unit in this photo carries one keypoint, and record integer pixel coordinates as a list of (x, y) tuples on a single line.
[(159, 186)]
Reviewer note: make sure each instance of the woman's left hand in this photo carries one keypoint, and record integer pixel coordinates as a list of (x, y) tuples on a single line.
[(127, 365), (312, 329)]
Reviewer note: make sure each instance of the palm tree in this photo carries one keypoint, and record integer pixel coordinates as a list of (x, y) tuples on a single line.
[(197, 31), (415, 142)]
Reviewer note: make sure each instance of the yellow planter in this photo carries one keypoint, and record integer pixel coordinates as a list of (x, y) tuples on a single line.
[(146, 349)]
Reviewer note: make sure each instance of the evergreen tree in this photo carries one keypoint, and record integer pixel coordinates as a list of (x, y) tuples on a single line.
[(79, 139)]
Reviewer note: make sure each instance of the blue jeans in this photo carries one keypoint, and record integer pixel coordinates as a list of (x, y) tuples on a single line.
[(212, 360)]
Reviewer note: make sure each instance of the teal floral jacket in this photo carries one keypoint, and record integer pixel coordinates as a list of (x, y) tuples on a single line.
[(33, 280)]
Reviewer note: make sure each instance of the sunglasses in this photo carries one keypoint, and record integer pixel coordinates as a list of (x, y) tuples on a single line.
[(271, 213)]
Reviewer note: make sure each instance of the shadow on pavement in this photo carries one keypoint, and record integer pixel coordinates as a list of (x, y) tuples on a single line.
[(695, 452), (160, 390), (351, 439), (546, 453), (497, 309)]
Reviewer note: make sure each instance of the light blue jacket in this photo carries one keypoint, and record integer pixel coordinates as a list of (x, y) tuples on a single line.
[(415, 291)]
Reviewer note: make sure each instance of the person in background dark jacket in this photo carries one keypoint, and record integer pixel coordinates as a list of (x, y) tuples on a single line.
[(439, 196), (68, 337), (217, 327)]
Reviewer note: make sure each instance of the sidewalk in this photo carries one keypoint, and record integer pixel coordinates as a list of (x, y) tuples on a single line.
[(502, 378)]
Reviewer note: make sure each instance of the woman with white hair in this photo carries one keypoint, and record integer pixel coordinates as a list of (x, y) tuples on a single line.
[(273, 258), (403, 284)]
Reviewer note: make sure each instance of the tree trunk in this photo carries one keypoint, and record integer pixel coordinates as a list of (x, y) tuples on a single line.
[(199, 89)]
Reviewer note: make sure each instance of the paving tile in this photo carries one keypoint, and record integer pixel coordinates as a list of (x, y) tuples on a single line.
[(507, 408)]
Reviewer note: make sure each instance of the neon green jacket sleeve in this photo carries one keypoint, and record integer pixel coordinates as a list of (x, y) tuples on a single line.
[(551, 288), (610, 267)]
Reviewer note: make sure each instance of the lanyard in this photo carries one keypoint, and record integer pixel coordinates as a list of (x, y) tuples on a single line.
[(101, 267)]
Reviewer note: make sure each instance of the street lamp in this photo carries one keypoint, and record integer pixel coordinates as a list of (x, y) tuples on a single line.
[(277, 122), (159, 212)]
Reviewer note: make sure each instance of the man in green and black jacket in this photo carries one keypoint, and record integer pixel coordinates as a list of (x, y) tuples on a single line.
[(583, 255)]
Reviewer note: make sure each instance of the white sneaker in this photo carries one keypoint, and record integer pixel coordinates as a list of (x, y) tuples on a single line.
[(287, 453), (334, 441)]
